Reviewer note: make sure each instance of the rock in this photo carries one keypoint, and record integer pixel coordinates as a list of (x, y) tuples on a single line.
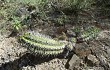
[(103, 59), (82, 50), (21, 11), (74, 61), (5, 29), (94, 68), (10, 50), (90, 69), (92, 59), (104, 62), (108, 52)]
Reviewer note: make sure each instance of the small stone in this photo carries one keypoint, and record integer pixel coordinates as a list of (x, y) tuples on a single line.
[(103, 60), (90, 69), (82, 50), (94, 68), (92, 58), (108, 51), (74, 61)]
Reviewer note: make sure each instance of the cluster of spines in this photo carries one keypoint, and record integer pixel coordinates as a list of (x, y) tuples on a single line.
[(89, 34), (41, 44)]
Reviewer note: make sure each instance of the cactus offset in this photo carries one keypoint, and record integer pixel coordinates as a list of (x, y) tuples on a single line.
[(89, 34)]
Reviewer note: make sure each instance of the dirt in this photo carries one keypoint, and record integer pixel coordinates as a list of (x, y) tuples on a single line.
[(91, 55)]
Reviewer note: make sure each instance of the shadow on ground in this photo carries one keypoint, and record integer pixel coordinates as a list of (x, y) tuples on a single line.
[(26, 60)]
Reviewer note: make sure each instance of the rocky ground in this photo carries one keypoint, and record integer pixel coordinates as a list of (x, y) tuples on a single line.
[(91, 55), (13, 57), (94, 55)]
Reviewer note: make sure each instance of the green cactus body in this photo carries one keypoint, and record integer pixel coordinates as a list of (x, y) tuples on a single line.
[(40, 44), (46, 52), (89, 34)]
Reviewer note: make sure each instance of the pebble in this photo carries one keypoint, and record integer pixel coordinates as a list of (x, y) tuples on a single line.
[(108, 51), (73, 61), (92, 58)]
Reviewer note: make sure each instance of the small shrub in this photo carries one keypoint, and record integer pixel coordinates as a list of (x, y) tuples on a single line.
[(16, 24)]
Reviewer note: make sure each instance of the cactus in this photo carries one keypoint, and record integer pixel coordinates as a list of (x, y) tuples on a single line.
[(45, 45), (89, 34), (42, 44)]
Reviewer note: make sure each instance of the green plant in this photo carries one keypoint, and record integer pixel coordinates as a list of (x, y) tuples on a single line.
[(41, 44), (78, 4), (61, 20), (89, 34), (16, 24), (3, 13)]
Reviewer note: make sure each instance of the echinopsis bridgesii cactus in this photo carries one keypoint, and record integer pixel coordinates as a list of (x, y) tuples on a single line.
[(44, 45)]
